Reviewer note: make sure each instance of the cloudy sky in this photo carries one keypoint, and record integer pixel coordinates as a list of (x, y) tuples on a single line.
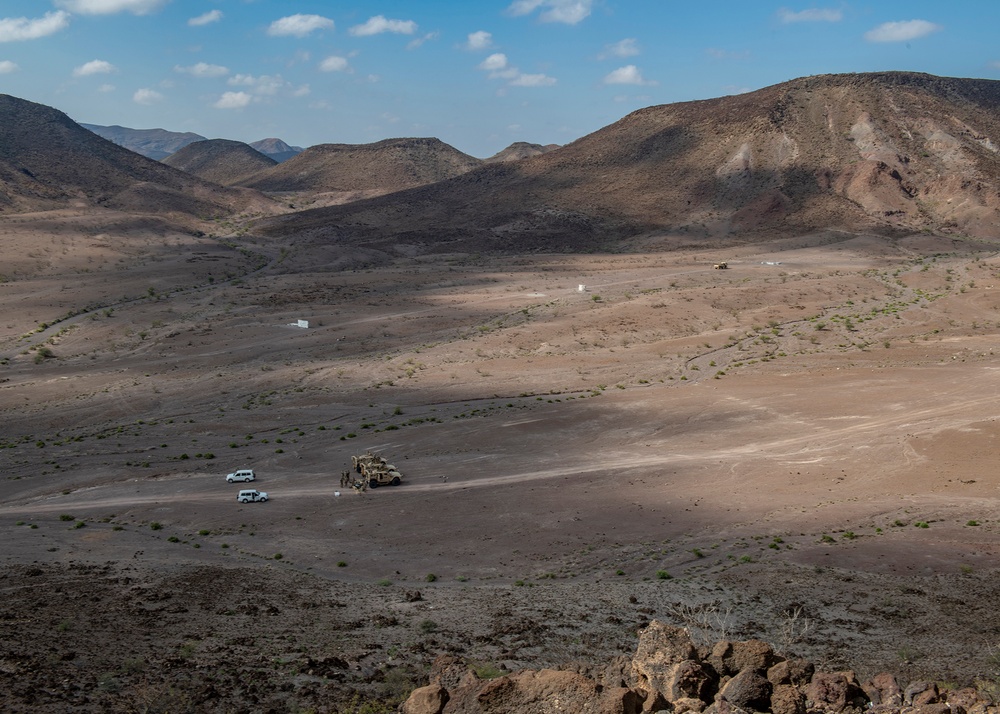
[(478, 74)]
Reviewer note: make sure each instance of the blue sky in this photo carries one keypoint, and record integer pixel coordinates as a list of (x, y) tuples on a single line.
[(477, 74)]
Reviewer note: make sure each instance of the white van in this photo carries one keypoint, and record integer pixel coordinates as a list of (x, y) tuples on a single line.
[(241, 475), (251, 495)]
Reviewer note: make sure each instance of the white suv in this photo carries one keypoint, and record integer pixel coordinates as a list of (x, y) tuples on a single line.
[(241, 475), (251, 495)]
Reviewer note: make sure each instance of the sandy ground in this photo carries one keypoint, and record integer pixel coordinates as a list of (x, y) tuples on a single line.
[(798, 448)]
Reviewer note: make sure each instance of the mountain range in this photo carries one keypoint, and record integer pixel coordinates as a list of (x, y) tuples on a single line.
[(889, 152), (49, 161), (159, 143)]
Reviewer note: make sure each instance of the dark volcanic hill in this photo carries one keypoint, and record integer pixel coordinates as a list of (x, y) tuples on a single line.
[(276, 149), (520, 150), (221, 161), (47, 159), (152, 143), (383, 167), (894, 151)]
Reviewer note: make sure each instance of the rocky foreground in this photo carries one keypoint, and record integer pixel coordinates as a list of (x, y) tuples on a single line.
[(669, 673)]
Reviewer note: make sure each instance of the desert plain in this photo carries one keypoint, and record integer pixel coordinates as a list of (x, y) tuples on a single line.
[(799, 448)]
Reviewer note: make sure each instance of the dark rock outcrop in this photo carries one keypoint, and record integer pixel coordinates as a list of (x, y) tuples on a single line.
[(668, 674)]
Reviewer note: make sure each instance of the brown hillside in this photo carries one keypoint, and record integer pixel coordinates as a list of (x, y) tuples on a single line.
[(520, 150), (383, 167), (884, 151), (47, 159), (221, 161)]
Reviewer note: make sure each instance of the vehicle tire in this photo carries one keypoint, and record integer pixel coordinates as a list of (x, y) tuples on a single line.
[(244, 500), (395, 481), (373, 483)]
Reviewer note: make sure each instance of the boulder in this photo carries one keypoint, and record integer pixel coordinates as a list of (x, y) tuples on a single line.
[(684, 705), (449, 671), (665, 667), (963, 700), (834, 692), (787, 699), (541, 692), (747, 690), (425, 700), (884, 689), (938, 708), (754, 655), (731, 658), (919, 693), (791, 671)]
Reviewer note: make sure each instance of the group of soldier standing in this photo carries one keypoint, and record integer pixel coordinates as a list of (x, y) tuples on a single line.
[(346, 480)]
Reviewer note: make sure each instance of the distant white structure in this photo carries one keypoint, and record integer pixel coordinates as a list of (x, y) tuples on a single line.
[(581, 288), (304, 324)]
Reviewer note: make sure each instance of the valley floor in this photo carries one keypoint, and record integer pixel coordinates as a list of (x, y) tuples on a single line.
[(798, 448)]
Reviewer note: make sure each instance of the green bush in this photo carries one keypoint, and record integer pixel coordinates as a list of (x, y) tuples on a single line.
[(663, 575), (66, 517)]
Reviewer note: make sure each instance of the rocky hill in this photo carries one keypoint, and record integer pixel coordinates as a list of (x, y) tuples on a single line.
[(520, 150), (276, 149), (152, 143), (668, 673), (379, 168), (893, 151), (221, 161), (48, 160)]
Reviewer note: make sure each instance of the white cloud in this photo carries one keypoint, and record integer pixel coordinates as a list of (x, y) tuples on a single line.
[(265, 84), (203, 69), (494, 63), (499, 68), (524, 7), (812, 15), (569, 12), (629, 74), (532, 80), (479, 40), (7, 67), (299, 25), (302, 91), (233, 100), (623, 48), (146, 97), (94, 67), (334, 64), (21, 28), (106, 88), (995, 65), (379, 24), (418, 41), (206, 19), (110, 7), (901, 31)]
